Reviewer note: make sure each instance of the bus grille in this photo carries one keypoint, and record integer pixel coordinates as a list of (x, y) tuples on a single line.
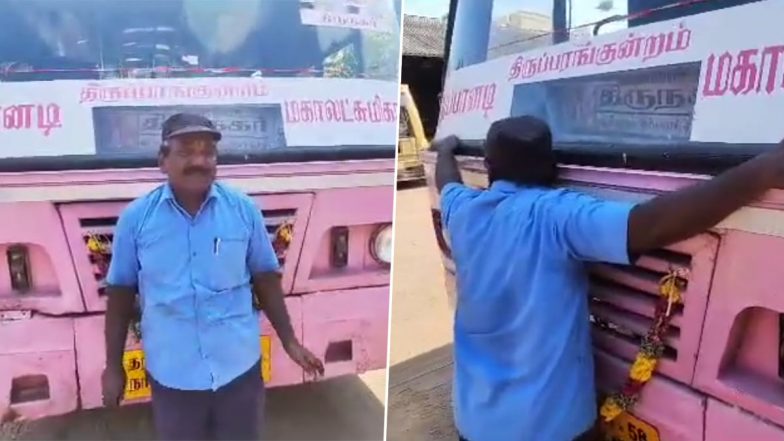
[(623, 300), (103, 227)]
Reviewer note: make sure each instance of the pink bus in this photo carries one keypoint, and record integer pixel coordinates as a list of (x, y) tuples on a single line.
[(306, 98), (644, 97)]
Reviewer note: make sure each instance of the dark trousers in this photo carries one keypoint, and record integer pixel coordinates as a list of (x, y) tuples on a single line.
[(230, 413)]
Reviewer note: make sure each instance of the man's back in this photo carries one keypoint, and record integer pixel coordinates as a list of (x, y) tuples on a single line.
[(523, 364)]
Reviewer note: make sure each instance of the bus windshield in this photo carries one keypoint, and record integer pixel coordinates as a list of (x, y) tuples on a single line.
[(117, 68), (488, 29), (614, 78)]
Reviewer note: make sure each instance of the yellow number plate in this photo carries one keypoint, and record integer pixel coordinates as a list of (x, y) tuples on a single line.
[(627, 427), (138, 387)]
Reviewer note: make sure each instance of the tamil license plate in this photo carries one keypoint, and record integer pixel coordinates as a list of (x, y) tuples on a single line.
[(137, 386), (627, 427)]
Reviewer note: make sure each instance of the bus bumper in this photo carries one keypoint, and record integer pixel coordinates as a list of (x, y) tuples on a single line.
[(37, 368), (48, 366)]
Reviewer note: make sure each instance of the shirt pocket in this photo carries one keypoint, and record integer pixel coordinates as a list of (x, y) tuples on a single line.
[(227, 265)]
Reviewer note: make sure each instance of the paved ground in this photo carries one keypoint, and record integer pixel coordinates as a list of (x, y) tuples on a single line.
[(420, 353), (348, 408)]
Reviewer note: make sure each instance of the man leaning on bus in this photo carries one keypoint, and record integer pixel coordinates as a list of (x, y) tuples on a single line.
[(194, 250), (523, 362)]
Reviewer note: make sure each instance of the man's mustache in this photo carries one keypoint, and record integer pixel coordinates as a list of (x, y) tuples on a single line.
[(196, 170)]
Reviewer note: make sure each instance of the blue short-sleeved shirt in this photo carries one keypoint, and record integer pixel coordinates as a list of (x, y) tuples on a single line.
[(523, 361), (199, 328)]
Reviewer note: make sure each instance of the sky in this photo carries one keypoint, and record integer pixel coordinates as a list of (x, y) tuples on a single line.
[(428, 8), (583, 11)]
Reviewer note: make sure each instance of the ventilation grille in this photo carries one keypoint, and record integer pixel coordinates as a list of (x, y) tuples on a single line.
[(623, 302), (104, 227), (274, 219)]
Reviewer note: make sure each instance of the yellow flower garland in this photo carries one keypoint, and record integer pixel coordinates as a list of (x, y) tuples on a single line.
[(97, 245), (646, 361), (285, 232), (101, 247), (643, 368), (610, 410)]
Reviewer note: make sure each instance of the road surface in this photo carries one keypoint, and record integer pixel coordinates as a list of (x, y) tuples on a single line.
[(348, 408), (421, 351)]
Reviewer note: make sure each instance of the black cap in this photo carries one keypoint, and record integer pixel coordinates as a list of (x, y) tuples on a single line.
[(520, 149), (520, 132), (185, 123)]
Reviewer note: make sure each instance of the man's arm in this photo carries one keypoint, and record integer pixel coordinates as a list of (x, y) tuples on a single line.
[(121, 291), (447, 169), (122, 281), (608, 231), (119, 313), (682, 214), (265, 274), (267, 287), (453, 194), (269, 291)]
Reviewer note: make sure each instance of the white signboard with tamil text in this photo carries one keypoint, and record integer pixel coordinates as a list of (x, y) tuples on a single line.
[(75, 117)]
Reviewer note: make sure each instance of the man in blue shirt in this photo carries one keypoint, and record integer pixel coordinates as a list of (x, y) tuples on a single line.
[(194, 249), (523, 362)]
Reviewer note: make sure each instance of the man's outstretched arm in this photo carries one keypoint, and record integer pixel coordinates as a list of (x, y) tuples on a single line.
[(596, 230), (682, 214)]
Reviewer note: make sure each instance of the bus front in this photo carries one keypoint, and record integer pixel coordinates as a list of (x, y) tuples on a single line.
[(644, 97), (305, 94)]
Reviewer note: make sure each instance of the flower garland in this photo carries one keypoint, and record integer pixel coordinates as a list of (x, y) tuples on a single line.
[(100, 248), (652, 348), (283, 237)]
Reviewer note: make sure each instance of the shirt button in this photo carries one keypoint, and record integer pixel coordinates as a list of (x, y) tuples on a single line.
[(193, 254)]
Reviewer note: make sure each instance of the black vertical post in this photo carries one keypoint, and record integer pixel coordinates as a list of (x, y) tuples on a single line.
[(450, 25), (560, 25)]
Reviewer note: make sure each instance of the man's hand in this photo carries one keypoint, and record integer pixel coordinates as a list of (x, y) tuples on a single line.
[(113, 382), (304, 358), (445, 145), (447, 170)]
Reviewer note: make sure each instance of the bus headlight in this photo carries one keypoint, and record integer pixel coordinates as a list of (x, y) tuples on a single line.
[(381, 245), (19, 268)]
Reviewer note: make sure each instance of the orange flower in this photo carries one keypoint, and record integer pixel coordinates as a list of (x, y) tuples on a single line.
[(643, 368), (610, 410), (96, 245)]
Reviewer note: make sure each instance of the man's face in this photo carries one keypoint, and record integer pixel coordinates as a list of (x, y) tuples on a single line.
[(191, 162)]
